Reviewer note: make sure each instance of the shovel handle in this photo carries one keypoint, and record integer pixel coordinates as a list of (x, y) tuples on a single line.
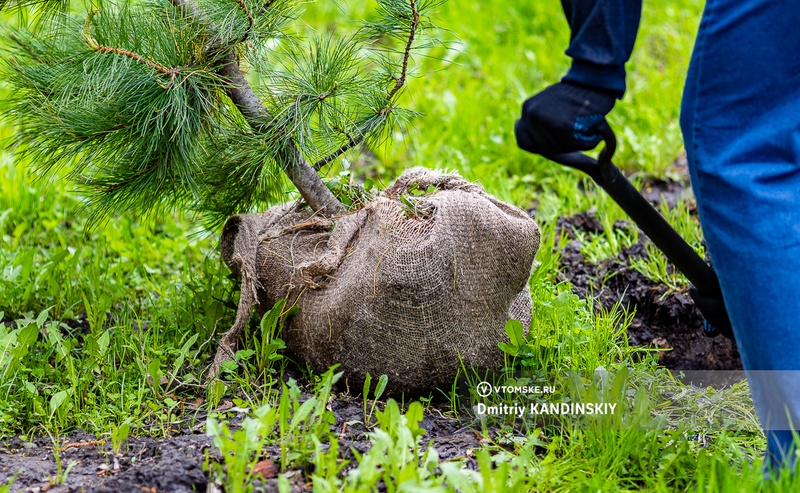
[(646, 217)]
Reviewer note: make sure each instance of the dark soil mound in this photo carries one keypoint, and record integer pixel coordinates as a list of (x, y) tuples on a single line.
[(663, 319)]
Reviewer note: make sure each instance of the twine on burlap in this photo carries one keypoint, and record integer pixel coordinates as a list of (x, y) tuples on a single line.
[(413, 285)]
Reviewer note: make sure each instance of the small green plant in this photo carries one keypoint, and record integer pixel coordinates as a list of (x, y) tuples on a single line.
[(657, 268), (181, 356), (268, 346), (119, 434), (241, 449), (412, 207), (298, 426), (328, 465), (351, 194), (15, 344), (6, 488), (300, 421), (380, 387), (396, 457), (496, 473), (514, 330), (61, 471), (214, 393)]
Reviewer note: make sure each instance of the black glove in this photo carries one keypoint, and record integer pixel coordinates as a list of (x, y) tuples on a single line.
[(713, 310), (563, 118)]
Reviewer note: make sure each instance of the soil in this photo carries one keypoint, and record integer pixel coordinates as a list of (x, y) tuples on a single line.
[(175, 464), (146, 464), (664, 320)]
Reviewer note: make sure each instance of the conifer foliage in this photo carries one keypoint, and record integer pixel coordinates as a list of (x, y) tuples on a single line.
[(145, 102)]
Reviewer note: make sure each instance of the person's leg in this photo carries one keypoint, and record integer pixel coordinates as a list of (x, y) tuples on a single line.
[(741, 123)]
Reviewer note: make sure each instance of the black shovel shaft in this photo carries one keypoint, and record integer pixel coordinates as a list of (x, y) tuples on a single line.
[(609, 177)]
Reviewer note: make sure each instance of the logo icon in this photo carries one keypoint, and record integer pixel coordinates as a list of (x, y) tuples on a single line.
[(484, 389)]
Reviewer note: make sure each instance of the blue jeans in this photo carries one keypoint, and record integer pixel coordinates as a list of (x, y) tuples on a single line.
[(741, 123)]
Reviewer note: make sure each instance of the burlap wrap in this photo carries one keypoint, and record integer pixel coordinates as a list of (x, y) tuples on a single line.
[(408, 288)]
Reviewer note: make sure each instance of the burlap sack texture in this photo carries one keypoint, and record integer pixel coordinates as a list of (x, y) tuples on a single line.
[(408, 287)]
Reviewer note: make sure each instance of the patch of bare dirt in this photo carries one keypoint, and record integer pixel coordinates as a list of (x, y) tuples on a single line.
[(664, 319), (145, 464)]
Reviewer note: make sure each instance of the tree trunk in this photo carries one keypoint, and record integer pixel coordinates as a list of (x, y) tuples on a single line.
[(303, 176)]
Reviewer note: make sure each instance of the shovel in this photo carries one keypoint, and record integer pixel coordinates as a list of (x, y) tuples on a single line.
[(706, 291)]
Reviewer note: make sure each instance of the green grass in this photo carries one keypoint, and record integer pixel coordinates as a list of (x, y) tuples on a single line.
[(150, 294), (140, 291)]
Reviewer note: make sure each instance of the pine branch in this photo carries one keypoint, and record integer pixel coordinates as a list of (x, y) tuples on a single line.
[(94, 45), (399, 83), (110, 189), (304, 177), (130, 142), (47, 6), (351, 143), (251, 21), (407, 53)]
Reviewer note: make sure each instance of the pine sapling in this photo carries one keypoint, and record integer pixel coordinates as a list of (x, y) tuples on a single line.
[(146, 106)]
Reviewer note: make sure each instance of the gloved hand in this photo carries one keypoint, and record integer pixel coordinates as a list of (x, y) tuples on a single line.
[(716, 316), (563, 118)]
